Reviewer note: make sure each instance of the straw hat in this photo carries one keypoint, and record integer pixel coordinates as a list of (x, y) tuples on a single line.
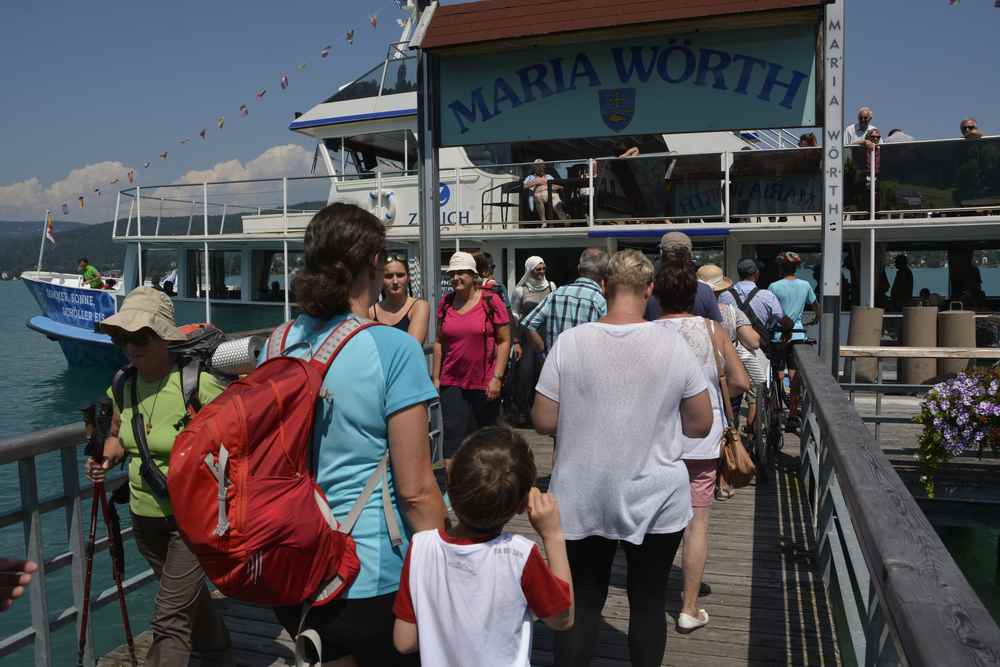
[(145, 308), (712, 275), (461, 261)]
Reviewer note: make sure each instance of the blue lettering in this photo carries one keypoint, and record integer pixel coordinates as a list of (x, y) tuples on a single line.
[(636, 65), (791, 88), (558, 75), (502, 92), (663, 64), (529, 82), (464, 113), (582, 67), (748, 65), (705, 67)]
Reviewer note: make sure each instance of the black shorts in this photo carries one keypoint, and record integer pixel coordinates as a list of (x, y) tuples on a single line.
[(463, 411), (360, 627), (782, 357)]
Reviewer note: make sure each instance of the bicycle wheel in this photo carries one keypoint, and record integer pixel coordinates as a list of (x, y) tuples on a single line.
[(776, 418)]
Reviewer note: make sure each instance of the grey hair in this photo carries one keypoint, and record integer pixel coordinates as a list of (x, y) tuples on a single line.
[(593, 264), (868, 109)]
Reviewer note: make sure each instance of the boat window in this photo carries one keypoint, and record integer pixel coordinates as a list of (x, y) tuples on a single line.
[(159, 269), (224, 269), (366, 85), (400, 76), (962, 274), (269, 274), (395, 152)]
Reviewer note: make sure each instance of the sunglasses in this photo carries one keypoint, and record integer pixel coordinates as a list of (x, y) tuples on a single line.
[(137, 338), (966, 128)]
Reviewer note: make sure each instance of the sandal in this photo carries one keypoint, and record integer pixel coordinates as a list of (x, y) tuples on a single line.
[(687, 623), (724, 494)]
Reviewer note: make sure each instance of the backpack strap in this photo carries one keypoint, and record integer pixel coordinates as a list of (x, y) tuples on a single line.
[(276, 343), (190, 384), (122, 376)]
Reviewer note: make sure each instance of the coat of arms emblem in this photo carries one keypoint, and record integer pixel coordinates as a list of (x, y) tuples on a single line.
[(617, 107)]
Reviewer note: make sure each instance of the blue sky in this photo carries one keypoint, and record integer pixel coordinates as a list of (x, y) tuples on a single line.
[(86, 83)]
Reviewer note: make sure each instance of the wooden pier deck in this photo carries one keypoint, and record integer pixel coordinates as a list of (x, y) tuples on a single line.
[(767, 606)]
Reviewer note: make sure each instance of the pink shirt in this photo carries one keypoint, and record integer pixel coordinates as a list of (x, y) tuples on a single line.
[(469, 341)]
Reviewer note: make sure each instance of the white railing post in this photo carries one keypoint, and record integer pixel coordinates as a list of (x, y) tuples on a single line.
[(590, 192), (222, 223), (35, 552), (191, 217), (114, 225), (725, 185), (207, 284), (138, 211), (77, 547), (284, 244), (45, 233), (159, 217), (872, 186), (138, 248), (128, 223)]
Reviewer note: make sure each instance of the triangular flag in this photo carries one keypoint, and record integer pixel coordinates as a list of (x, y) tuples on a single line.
[(221, 121), (373, 19), (131, 176), (203, 134), (65, 209), (244, 111), (261, 93), (114, 180), (284, 81), (163, 155), (402, 22), (98, 191), (146, 165), (303, 65), (81, 201), (350, 37), (186, 140), (323, 53), (50, 230)]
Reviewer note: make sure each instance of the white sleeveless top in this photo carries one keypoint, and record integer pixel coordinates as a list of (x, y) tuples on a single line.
[(694, 330)]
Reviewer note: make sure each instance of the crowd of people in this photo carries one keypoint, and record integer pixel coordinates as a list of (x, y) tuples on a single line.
[(631, 353)]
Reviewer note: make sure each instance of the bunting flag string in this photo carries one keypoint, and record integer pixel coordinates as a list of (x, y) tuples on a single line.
[(283, 82)]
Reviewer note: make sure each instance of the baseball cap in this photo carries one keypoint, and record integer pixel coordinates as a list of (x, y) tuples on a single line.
[(675, 240), (790, 257)]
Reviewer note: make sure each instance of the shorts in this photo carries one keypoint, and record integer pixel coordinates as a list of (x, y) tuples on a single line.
[(702, 473), (361, 627), (782, 357), (463, 411)]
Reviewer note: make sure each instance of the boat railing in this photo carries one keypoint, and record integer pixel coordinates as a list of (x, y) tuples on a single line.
[(774, 186), (24, 452), (903, 599)]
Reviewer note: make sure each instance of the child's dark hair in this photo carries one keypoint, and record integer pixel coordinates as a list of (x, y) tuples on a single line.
[(490, 478)]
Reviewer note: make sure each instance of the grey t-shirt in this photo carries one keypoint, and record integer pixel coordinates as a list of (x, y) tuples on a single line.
[(618, 471)]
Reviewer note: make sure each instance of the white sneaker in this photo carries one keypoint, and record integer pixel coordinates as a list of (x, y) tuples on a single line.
[(687, 623)]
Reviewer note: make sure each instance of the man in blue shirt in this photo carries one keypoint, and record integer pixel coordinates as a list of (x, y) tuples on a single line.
[(794, 294), (763, 303), (571, 305)]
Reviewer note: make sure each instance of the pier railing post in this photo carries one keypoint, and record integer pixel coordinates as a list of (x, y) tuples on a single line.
[(33, 541), (590, 192), (725, 184), (74, 534)]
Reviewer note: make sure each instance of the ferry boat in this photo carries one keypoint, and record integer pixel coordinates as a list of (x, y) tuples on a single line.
[(226, 252)]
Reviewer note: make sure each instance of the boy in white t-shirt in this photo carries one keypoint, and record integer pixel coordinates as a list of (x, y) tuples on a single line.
[(469, 595)]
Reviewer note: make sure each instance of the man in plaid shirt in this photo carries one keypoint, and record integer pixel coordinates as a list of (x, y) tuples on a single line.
[(570, 305)]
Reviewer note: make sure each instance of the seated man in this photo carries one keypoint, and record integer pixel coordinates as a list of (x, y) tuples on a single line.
[(537, 185)]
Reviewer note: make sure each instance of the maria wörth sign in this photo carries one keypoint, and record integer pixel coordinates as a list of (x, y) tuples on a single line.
[(672, 83)]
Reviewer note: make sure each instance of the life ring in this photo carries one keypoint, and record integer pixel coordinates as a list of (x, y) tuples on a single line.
[(389, 206)]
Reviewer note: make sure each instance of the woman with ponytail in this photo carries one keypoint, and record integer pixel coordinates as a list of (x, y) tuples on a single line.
[(382, 388)]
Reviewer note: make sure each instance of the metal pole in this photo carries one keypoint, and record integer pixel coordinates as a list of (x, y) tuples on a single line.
[(191, 218), (725, 184), (138, 210), (222, 223), (590, 192), (871, 187), (284, 245), (159, 217), (128, 223), (45, 233), (34, 543), (114, 226), (206, 286), (833, 177), (429, 183), (871, 268), (406, 151), (138, 247)]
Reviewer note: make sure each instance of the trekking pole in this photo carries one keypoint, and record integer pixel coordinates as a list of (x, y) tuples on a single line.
[(118, 570), (91, 540)]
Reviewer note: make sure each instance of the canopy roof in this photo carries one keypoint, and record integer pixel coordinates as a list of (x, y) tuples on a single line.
[(471, 23)]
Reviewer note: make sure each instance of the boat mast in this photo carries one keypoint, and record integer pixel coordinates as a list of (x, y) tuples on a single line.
[(45, 233)]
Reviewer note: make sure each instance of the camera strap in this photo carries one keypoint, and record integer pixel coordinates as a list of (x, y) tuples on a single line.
[(150, 472)]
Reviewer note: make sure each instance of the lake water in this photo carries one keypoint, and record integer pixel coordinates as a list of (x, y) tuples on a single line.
[(40, 392)]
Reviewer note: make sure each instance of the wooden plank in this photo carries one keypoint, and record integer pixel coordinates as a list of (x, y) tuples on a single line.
[(872, 351)]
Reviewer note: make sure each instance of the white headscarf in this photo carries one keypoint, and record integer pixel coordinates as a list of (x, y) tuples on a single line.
[(528, 281)]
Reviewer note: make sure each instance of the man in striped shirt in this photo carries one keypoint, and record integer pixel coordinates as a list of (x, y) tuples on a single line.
[(570, 305)]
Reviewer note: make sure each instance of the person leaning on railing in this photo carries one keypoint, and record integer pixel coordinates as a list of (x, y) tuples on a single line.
[(184, 617)]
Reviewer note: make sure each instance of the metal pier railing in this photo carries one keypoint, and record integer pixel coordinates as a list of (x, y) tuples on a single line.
[(904, 598), (24, 451)]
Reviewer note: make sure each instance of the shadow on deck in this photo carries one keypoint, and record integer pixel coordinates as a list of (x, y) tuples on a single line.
[(767, 604)]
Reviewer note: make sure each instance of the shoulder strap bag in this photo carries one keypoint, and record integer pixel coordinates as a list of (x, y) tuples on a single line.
[(735, 466)]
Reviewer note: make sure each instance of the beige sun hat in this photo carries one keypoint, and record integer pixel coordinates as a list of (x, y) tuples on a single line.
[(712, 275), (461, 261), (145, 308)]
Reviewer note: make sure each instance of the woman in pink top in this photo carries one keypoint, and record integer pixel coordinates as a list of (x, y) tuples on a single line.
[(473, 334)]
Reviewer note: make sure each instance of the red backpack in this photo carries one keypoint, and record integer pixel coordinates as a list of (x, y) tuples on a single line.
[(243, 490)]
